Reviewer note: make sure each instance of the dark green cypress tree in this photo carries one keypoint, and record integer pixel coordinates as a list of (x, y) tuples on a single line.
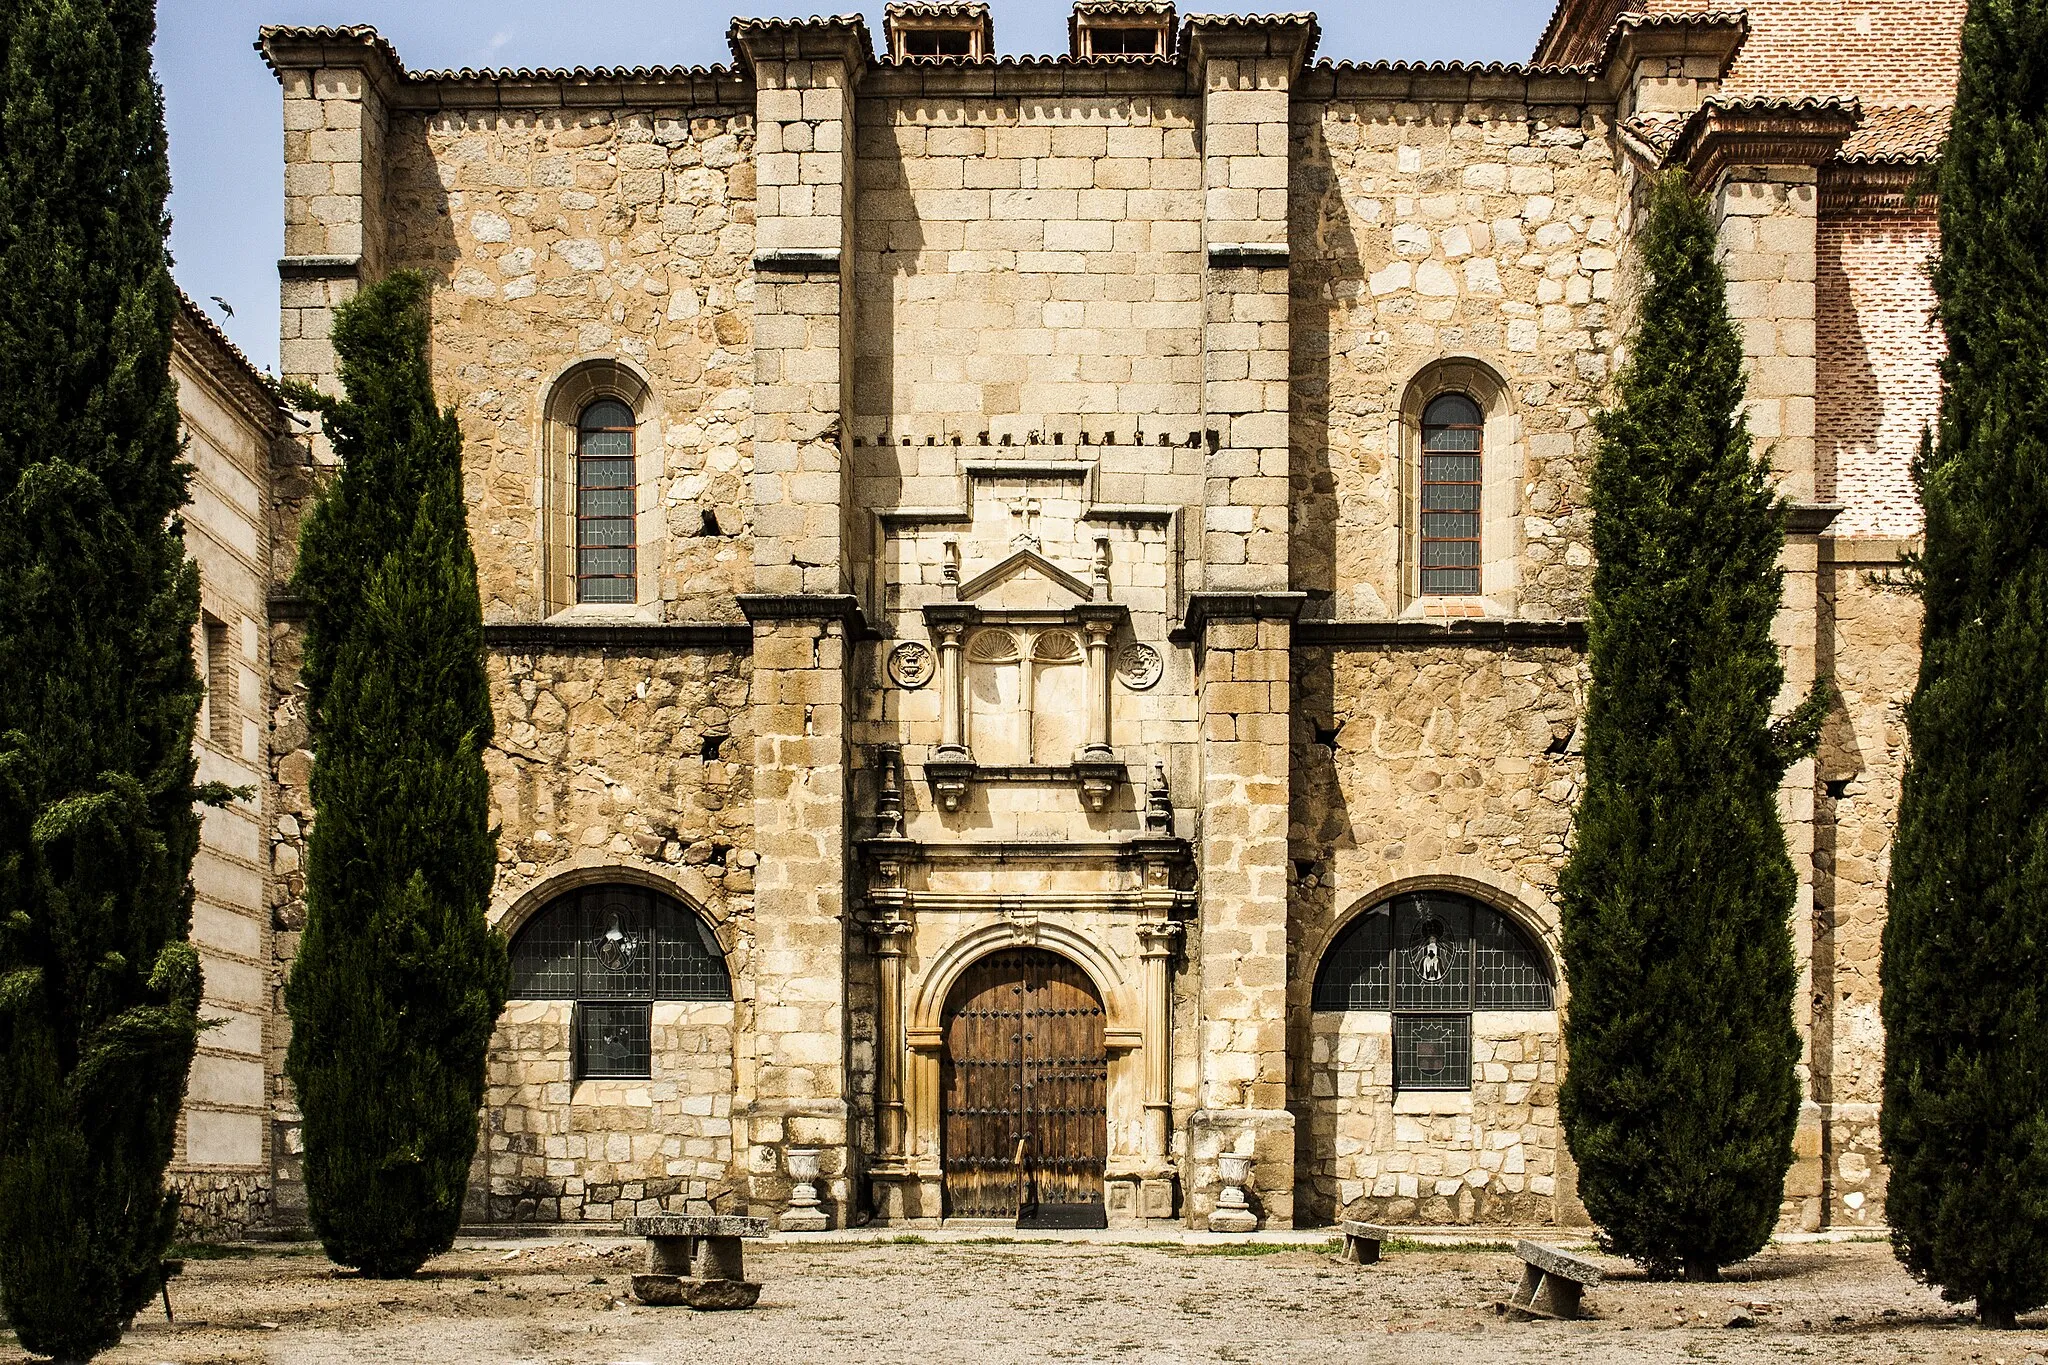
[(399, 979), (99, 988), (1680, 1094), (1965, 974)]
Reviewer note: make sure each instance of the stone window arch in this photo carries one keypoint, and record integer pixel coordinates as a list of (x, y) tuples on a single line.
[(1432, 959), (573, 582), (1461, 476)]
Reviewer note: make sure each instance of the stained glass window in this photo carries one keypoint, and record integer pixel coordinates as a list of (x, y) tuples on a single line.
[(606, 488), (615, 950), (1452, 432)]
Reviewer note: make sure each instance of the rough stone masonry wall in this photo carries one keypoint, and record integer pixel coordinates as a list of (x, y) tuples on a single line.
[(1870, 640), (1456, 766), (599, 760), (641, 762), (566, 237), (1485, 228)]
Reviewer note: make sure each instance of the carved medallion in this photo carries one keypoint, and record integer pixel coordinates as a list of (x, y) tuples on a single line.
[(910, 664), (1139, 666)]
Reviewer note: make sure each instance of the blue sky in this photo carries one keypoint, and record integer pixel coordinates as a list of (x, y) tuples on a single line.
[(225, 124)]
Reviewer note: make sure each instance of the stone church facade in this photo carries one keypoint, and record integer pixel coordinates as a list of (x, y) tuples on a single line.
[(1036, 604)]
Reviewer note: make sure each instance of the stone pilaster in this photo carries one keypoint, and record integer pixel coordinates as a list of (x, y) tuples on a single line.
[(1759, 163), (338, 84), (1241, 622), (1246, 73), (804, 73)]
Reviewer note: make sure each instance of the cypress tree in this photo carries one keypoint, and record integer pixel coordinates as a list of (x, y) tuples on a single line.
[(99, 988), (1965, 970), (1680, 1095), (399, 980)]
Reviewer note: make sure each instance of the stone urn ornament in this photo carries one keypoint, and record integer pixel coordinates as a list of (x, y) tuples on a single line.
[(1232, 1213), (804, 1213)]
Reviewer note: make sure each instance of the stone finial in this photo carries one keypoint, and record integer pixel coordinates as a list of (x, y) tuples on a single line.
[(889, 792), (1158, 801)]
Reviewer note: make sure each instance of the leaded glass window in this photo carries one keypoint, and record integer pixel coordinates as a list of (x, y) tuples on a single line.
[(1452, 434), (606, 488), (1432, 958), (615, 950)]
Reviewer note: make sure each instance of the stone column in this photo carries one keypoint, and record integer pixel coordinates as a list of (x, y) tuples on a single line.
[(1098, 688), (1156, 944), (892, 938), (1241, 620), (1761, 168), (951, 744), (804, 73)]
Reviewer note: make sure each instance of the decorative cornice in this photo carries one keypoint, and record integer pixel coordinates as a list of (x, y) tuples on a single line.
[(1639, 38), (805, 606), (252, 391), (561, 637), (1570, 634), (1204, 607), (1291, 37), (1894, 187), (1228, 255), (319, 267), (361, 47), (842, 38), (1811, 518), (797, 259), (1725, 133)]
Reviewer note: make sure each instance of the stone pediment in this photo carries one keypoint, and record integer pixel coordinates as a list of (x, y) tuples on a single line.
[(1026, 581)]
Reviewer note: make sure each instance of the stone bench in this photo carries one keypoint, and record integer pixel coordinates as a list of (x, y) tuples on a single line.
[(1362, 1241), (1552, 1282), (696, 1260)]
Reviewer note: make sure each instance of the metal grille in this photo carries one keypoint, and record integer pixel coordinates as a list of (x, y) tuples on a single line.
[(1432, 1051), (689, 964), (544, 955), (1433, 953), (1357, 973), (614, 1039), (616, 950), (606, 488), (1452, 428), (1508, 970)]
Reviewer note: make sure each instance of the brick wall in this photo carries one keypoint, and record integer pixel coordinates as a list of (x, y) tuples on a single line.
[(1882, 51), (1879, 353)]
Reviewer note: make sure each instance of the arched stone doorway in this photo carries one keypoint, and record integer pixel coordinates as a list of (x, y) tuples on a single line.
[(1024, 1086)]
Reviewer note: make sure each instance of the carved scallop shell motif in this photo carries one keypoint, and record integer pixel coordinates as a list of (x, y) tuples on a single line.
[(910, 664), (1139, 666)]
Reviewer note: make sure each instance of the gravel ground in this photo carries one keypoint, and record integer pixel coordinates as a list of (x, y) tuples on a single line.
[(987, 1301)]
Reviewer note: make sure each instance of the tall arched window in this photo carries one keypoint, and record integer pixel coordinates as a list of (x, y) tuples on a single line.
[(615, 950), (1432, 958), (1452, 431), (606, 487)]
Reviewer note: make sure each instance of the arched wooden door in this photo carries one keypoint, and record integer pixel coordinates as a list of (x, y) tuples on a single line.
[(1025, 1063)]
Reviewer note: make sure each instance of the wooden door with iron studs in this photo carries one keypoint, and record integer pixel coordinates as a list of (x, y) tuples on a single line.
[(1026, 1081)]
